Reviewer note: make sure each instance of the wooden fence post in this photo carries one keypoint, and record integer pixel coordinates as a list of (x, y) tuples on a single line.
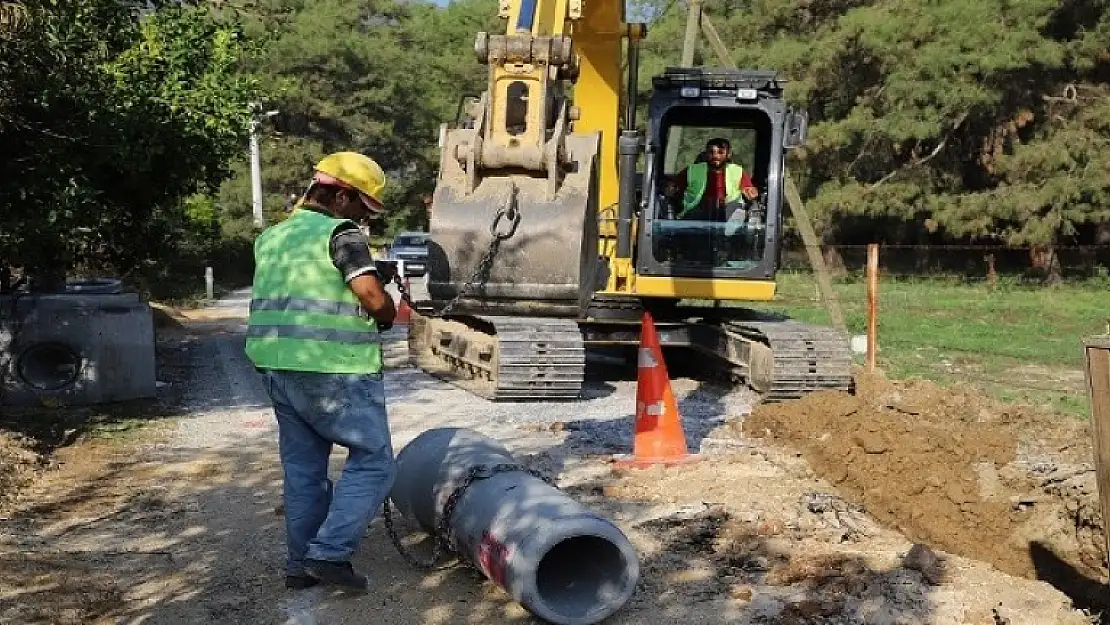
[(872, 304), (1097, 358)]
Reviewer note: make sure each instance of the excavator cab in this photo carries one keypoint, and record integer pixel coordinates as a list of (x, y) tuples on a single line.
[(682, 235)]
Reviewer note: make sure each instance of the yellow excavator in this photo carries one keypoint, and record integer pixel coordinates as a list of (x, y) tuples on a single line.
[(553, 228)]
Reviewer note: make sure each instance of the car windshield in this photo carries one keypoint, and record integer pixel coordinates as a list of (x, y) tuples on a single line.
[(411, 241)]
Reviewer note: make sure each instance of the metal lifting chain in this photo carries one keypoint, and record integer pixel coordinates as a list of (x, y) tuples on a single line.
[(442, 542), (511, 213)]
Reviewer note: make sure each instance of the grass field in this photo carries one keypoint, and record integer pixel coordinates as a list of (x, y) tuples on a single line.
[(1018, 343)]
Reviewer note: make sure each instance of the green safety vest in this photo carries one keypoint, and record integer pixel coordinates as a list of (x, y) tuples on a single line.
[(303, 316), (697, 178)]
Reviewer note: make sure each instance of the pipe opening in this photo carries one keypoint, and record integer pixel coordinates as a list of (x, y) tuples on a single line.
[(581, 575), (49, 366)]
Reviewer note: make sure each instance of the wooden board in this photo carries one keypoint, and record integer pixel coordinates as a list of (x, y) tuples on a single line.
[(1097, 357)]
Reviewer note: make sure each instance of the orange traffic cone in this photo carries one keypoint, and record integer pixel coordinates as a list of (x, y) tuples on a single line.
[(659, 437), (404, 312)]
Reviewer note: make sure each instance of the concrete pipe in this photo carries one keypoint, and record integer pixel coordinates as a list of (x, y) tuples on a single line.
[(561, 561)]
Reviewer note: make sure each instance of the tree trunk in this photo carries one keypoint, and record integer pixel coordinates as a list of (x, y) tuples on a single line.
[(833, 260), (1102, 234), (921, 257), (1046, 264)]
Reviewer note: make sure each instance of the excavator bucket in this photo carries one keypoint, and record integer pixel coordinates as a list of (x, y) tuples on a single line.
[(517, 242)]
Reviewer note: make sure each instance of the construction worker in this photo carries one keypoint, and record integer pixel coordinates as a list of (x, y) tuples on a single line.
[(316, 309), (709, 186)]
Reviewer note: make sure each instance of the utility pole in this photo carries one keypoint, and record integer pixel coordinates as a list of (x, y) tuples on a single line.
[(256, 177), (689, 45), (256, 163), (693, 24)]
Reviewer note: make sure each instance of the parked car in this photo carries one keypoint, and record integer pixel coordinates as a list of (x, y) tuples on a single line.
[(412, 248)]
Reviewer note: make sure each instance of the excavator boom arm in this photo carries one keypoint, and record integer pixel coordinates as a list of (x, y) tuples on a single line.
[(541, 148), (548, 46)]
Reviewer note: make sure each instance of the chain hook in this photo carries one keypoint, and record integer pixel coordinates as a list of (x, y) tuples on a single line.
[(510, 211)]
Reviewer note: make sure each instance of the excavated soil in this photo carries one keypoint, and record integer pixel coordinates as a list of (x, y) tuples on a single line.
[(1004, 484), (753, 538)]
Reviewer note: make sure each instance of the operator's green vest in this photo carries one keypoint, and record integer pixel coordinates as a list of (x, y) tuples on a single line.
[(303, 316), (697, 178)]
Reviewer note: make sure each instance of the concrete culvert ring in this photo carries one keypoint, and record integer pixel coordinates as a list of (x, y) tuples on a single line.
[(48, 366), (583, 579)]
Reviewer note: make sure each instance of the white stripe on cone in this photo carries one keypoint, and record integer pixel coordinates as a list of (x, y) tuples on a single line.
[(645, 359), (654, 409)]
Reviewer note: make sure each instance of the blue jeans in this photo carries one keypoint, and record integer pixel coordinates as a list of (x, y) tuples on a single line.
[(315, 411)]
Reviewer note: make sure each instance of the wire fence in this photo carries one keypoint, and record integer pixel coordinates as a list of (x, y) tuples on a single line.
[(944, 313), (968, 263)]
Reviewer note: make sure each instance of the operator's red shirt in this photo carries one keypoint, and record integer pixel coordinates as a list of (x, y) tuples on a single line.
[(715, 185)]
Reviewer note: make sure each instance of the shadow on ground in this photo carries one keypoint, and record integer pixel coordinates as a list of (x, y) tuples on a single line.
[(194, 534), (197, 538), (1087, 593), (179, 357)]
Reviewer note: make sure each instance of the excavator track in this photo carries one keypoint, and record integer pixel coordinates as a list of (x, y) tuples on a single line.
[(502, 358), (807, 358), (541, 358), (779, 357)]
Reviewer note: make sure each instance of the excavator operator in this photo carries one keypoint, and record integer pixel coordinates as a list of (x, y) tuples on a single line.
[(708, 187)]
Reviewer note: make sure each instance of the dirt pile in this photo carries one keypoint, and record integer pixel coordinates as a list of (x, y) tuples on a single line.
[(18, 463), (954, 470)]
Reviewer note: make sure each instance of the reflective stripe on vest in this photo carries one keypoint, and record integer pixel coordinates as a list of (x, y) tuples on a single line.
[(312, 334), (303, 315), (293, 304), (697, 180)]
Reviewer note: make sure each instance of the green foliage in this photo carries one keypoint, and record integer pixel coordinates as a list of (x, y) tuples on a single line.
[(382, 87), (929, 121), (200, 212), (967, 119), (111, 122)]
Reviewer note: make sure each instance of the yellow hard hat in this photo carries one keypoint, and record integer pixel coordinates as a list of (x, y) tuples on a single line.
[(354, 171)]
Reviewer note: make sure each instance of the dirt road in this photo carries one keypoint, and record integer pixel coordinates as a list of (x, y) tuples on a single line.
[(179, 524)]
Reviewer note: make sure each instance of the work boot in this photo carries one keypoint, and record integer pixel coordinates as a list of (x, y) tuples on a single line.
[(336, 573), (300, 582)]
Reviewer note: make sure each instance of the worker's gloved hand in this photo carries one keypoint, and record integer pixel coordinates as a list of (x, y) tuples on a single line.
[(387, 270)]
